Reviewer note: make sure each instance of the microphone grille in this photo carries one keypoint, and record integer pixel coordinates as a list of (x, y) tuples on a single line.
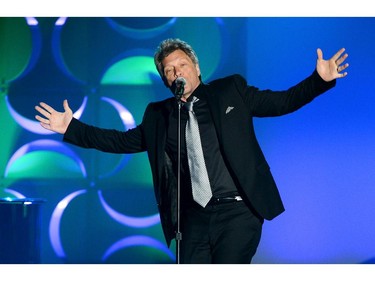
[(181, 80)]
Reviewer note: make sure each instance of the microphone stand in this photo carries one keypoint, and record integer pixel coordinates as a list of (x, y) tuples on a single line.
[(178, 94)]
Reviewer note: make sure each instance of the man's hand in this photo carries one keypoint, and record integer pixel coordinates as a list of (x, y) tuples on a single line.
[(54, 121), (333, 68)]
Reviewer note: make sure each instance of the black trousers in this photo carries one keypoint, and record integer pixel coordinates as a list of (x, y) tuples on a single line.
[(227, 233)]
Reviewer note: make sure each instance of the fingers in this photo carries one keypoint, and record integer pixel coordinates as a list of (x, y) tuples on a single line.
[(51, 119), (66, 105), (42, 111), (41, 119), (338, 54), (336, 57), (45, 126), (45, 110), (47, 107), (342, 67), (341, 59), (319, 53)]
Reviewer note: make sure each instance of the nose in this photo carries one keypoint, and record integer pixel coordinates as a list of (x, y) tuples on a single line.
[(177, 72)]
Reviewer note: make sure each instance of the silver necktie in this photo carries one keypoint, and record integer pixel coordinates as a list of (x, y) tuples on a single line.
[(199, 178)]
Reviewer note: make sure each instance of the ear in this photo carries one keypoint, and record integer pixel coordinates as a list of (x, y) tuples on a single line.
[(198, 70)]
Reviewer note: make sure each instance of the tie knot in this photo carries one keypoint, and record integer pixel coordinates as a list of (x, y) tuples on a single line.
[(189, 105)]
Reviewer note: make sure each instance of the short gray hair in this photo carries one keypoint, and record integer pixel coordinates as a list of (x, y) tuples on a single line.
[(168, 46)]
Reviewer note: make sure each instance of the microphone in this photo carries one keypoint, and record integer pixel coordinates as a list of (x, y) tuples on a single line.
[(178, 87)]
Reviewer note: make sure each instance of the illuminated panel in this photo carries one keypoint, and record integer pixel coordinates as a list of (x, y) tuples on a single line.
[(125, 115), (209, 44), (137, 240), (34, 126), (141, 28), (15, 194), (56, 49), (134, 70), (127, 220), (43, 145), (60, 21), (19, 48), (54, 226), (129, 123), (32, 21)]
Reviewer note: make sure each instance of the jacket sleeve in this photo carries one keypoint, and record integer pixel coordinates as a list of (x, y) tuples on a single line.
[(106, 140), (267, 103)]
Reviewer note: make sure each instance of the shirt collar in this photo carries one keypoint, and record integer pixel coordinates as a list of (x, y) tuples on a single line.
[(199, 93)]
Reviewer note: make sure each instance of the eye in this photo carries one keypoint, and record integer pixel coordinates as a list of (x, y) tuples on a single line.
[(167, 71)]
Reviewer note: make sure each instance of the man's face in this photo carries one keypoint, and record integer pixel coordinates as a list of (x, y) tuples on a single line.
[(178, 64)]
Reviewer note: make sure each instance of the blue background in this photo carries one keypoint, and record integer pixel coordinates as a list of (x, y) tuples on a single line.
[(322, 156)]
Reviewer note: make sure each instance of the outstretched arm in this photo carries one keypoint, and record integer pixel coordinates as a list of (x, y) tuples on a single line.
[(333, 68), (54, 121)]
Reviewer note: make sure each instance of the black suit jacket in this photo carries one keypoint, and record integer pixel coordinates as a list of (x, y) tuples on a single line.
[(233, 104)]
